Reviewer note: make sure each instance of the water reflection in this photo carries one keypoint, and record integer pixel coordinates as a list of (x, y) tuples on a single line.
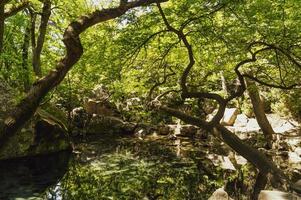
[(128, 168), (28, 178), (116, 167)]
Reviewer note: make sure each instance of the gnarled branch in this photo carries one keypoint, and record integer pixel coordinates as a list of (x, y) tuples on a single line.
[(15, 9), (74, 50)]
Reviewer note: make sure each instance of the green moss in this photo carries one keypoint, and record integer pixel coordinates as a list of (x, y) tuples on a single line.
[(52, 139)]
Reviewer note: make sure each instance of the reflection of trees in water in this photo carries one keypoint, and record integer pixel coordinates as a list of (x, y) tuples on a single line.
[(131, 169), (29, 177)]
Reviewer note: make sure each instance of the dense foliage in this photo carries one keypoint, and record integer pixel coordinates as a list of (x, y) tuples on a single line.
[(132, 54), (143, 54)]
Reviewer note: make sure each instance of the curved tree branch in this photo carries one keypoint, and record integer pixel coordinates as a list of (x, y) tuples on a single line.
[(292, 86), (250, 153), (182, 37), (74, 50), (159, 83), (15, 9)]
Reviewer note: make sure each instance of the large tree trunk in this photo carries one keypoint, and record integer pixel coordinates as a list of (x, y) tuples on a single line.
[(258, 108), (261, 181), (258, 159), (26, 108)]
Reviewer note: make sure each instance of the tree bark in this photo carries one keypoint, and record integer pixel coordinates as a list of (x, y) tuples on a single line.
[(25, 47), (37, 49), (258, 108), (261, 181), (15, 9), (254, 156), (74, 50), (224, 83), (2, 19)]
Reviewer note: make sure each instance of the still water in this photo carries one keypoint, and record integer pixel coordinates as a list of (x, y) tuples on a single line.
[(113, 167)]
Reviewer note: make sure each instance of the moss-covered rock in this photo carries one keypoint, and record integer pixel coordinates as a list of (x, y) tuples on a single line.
[(45, 133), (105, 124)]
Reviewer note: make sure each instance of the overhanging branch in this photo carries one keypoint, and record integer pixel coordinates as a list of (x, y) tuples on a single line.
[(15, 9)]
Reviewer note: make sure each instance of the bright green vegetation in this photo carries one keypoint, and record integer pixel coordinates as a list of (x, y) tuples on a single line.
[(160, 62)]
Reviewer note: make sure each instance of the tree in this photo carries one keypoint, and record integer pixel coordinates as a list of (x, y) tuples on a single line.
[(254, 156), (171, 56), (37, 46), (26, 108)]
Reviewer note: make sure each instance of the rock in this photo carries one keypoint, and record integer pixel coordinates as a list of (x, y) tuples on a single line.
[(241, 120), (100, 93), (252, 125), (240, 160), (163, 130), (276, 120), (221, 161), (284, 128), (229, 116), (220, 194), (298, 151), (293, 157), (175, 129), (106, 124), (100, 108), (297, 186), (293, 141), (188, 131), (45, 133), (277, 195), (99, 103)]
